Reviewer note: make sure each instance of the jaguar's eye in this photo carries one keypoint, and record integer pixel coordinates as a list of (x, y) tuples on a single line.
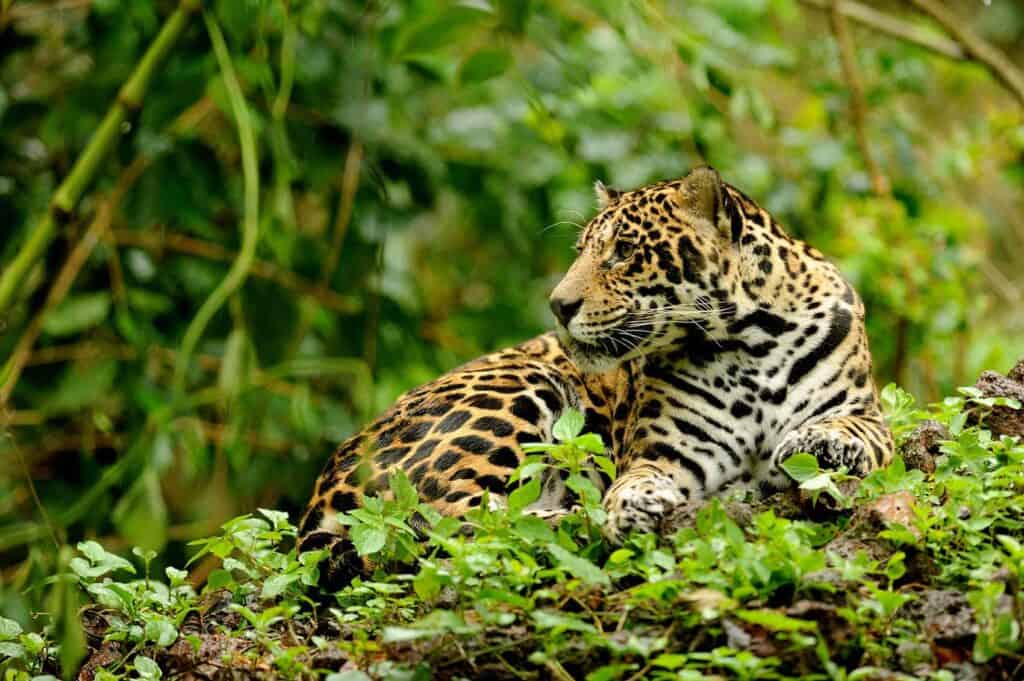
[(624, 249)]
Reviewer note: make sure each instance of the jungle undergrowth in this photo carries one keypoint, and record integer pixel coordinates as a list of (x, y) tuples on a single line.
[(505, 594)]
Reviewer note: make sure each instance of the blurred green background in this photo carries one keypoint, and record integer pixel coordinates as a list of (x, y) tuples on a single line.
[(423, 168)]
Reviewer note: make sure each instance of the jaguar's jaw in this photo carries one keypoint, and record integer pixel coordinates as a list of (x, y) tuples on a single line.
[(605, 352)]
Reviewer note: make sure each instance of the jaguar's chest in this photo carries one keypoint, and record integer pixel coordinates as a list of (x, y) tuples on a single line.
[(725, 416)]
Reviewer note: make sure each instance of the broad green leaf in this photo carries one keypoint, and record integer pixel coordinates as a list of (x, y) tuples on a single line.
[(528, 470), (141, 514), (9, 629), (578, 566), (219, 579), (548, 619), (237, 364), (534, 529), (348, 675), (275, 585), (161, 631), (568, 425), (801, 466), (146, 668), (15, 651), (524, 495), (775, 620), (590, 442), (405, 494), (440, 31), (77, 313), (485, 64), (368, 539)]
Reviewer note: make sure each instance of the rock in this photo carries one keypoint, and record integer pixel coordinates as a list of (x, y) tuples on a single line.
[(1001, 420), (947, 619), (1017, 372), (922, 446)]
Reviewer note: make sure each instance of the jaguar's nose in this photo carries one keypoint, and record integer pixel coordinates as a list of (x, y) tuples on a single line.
[(565, 310)]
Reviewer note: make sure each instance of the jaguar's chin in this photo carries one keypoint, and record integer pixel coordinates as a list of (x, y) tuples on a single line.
[(602, 354)]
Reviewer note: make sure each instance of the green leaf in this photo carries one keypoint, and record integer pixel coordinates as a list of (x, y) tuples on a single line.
[(524, 495), (485, 64), (64, 603), (590, 442), (578, 566), (801, 467), (349, 675), (534, 529), (368, 539), (275, 585), (161, 631), (568, 425), (775, 620), (405, 494), (219, 579), (237, 365), (9, 629), (12, 650), (547, 619), (76, 313), (141, 515), (528, 470), (606, 465), (146, 668), (439, 32)]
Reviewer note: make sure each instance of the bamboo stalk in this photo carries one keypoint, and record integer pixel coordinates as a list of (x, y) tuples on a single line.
[(250, 222), (66, 197)]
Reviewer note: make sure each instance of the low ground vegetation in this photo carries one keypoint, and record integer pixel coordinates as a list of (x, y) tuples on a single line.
[(913, 572)]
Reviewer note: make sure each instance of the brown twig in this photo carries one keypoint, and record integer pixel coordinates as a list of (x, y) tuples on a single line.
[(157, 240), (23, 464), (45, 447), (858, 107), (57, 292), (976, 48), (897, 28), (349, 184)]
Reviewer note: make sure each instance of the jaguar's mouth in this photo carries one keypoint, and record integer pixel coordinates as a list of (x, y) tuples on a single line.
[(606, 350)]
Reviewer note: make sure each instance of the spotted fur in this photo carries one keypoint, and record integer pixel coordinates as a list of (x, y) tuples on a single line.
[(703, 343)]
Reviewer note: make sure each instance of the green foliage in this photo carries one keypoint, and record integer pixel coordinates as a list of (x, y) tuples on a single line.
[(555, 597), (421, 167)]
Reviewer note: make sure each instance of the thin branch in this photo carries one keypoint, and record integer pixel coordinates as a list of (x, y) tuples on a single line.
[(65, 198), (858, 107), (20, 455), (978, 49), (897, 28), (12, 370), (349, 184), (250, 221), (157, 241)]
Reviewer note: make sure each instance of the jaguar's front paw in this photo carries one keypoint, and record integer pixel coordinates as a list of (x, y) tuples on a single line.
[(832, 448), (638, 504)]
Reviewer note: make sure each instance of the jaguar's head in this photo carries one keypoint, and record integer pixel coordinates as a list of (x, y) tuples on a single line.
[(653, 266)]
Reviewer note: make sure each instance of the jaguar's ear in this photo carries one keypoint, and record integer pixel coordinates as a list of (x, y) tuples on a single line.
[(703, 194), (605, 195)]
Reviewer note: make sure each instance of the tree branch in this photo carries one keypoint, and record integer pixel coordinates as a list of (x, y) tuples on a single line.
[(858, 107), (977, 49), (65, 198), (182, 243), (897, 28)]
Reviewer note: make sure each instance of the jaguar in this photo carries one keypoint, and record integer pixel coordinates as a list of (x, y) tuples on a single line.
[(701, 342)]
